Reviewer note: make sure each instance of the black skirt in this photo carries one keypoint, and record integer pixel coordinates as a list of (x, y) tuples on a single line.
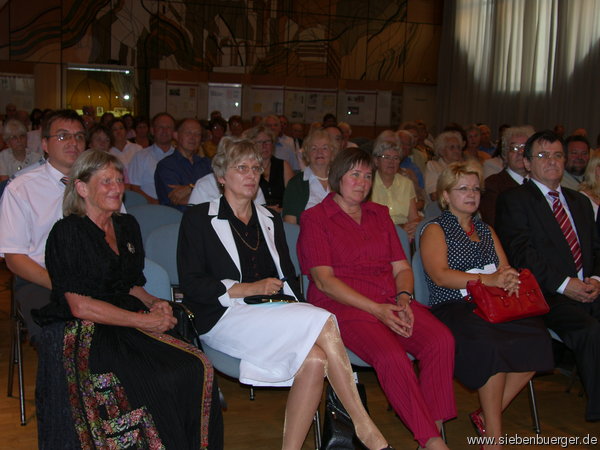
[(484, 349)]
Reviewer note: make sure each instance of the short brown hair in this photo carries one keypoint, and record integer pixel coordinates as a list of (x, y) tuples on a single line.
[(449, 177), (345, 161)]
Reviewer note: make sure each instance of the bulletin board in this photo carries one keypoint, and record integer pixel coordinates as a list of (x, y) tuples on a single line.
[(17, 89), (266, 100), (225, 97), (182, 100), (319, 103)]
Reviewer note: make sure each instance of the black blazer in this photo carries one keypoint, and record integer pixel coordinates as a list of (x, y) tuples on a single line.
[(532, 237), (208, 261), (494, 186)]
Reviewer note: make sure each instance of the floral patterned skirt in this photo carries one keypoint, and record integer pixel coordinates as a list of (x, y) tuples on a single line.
[(102, 386)]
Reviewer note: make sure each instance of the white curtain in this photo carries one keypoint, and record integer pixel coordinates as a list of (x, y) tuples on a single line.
[(521, 62)]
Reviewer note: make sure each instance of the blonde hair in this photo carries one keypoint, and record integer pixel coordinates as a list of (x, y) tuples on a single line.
[(232, 150), (315, 134), (451, 174), (88, 163), (589, 177)]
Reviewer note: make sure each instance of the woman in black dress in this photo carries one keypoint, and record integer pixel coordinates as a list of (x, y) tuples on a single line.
[(276, 172), (110, 375), (497, 360)]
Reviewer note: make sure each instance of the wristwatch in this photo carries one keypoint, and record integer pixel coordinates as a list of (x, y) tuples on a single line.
[(411, 297)]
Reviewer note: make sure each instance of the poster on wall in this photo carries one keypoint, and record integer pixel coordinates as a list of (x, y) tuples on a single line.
[(319, 103), (225, 97), (182, 100), (295, 105), (360, 108), (266, 100), (18, 90)]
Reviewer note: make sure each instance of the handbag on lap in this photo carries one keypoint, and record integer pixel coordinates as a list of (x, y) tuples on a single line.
[(496, 306)]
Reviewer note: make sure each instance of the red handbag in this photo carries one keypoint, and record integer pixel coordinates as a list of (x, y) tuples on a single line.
[(496, 306)]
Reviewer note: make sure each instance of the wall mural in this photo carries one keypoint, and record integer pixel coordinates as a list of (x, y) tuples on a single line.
[(343, 39)]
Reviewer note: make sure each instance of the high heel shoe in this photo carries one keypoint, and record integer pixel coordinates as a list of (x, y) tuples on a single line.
[(477, 422)]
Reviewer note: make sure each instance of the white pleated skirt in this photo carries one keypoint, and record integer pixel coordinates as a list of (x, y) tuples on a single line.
[(272, 340)]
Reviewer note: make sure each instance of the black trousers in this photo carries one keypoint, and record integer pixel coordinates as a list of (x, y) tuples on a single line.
[(578, 325), (29, 296)]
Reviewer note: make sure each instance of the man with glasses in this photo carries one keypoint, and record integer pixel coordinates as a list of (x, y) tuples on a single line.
[(513, 175), (30, 206), (551, 230), (578, 157), (176, 175)]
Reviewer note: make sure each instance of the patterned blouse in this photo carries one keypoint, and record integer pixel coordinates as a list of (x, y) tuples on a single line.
[(463, 254)]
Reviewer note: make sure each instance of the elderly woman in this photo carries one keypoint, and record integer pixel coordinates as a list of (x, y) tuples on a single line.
[(499, 359), (351, 253), (448, 147), (231, 249), (110, 375), (393, 190), (122, 148), (276, 172), (472, 149), (308, 188), (100, 138), (17, 156)]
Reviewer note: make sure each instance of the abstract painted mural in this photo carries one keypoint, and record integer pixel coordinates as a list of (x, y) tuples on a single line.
[(395, 40)]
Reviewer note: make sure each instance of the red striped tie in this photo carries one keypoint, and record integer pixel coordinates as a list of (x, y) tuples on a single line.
[(566, 228)]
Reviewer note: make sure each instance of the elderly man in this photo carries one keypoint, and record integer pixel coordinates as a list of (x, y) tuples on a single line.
[(486, 144), (346, 130), (284, 145), (17, 156), (30, 206), (143, 164), (578, 157), (513, 175), (551, 230), (176, 174)]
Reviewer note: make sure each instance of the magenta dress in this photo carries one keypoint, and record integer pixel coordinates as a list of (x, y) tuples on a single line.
[(361, 256)]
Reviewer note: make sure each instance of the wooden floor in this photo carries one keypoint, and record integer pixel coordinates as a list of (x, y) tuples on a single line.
[(258, 424)]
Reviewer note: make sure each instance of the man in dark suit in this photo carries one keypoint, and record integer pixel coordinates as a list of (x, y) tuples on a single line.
[(551, 230), (513, 175)]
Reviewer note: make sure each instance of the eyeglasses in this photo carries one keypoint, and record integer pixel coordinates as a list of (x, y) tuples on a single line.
[(517, 148), (62, 137), (559, 156), (390, 157), (465, 189), (244, 169)]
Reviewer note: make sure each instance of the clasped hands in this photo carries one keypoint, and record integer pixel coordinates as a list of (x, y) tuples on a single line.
[(506, 278), (159, 318), (585, 291), (399, 318)]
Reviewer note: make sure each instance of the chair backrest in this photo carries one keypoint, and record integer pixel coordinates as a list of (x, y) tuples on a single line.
[(132, 198), (405, 241), (292, 231), (432, 210), (150, 217), (161, 246), (421, 291), (418, 231), (157, 280)]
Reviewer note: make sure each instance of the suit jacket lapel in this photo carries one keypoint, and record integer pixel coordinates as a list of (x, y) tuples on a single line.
[(548, 222), (268, 230), (223, 231)]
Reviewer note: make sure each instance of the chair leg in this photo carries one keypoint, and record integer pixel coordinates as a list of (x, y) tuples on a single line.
[(443, 432), (13, 356), (534, 412), (317, 425), (251, 392)]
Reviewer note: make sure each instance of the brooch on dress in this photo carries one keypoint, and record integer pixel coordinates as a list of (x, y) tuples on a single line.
[(130, 247)]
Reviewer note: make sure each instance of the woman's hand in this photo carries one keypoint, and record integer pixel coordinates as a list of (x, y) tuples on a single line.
[(158, 320), (162, 305), (506, 278), (268, 286), (399, 318)]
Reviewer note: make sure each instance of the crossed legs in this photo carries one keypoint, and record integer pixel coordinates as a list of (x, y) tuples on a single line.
[(328, 357)]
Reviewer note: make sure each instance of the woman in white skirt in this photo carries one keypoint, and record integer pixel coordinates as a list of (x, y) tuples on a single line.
[(232, 248)]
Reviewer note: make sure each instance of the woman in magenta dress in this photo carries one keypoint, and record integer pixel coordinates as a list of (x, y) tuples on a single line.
[(351, 253)]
